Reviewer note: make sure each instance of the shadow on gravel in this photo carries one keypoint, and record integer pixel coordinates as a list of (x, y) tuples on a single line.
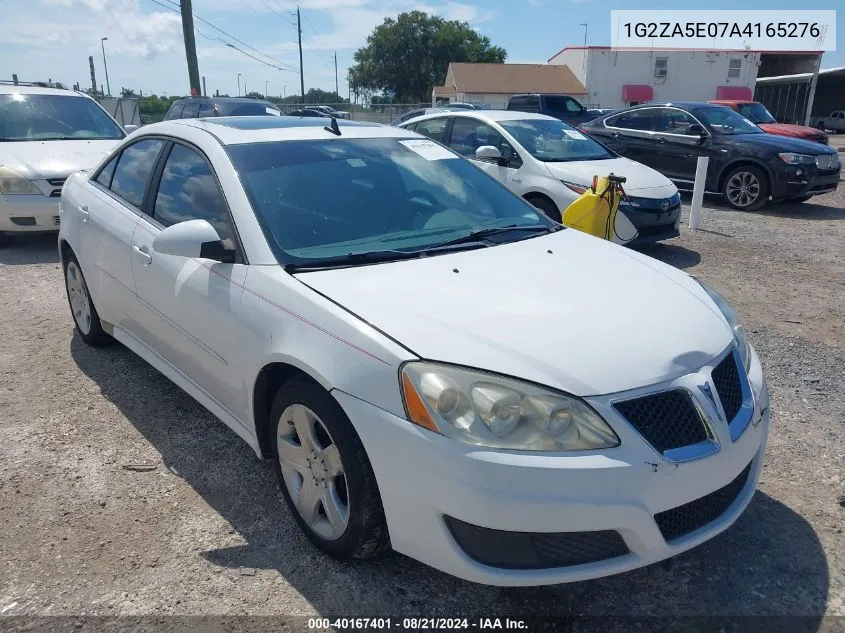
[(809, 210), (671, 254), (35, 248), (770, 563)]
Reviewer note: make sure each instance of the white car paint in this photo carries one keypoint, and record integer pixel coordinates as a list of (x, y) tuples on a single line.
[(607, 321), (535, 176), (41, 161)]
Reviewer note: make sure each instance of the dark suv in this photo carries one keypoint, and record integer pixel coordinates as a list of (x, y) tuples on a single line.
[(561, 107), (746, 165), (194, 107)]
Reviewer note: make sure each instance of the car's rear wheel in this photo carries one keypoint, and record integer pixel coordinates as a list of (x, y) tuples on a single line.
[(546, 206), (82, 308), (326, 478), (746, 188), (6, 239)]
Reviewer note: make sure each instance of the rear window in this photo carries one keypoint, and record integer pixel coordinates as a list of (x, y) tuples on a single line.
[(246, 108), (566, 105), (175, 111)]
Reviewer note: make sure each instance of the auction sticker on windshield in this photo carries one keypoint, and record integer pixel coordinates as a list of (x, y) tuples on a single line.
[(575, 134), (428, 149)]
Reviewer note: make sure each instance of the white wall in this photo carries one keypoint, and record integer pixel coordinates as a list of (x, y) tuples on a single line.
[(692, 76), (492, 101)]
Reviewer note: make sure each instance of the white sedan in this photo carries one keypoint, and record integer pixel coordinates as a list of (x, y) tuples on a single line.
[(371, 312), (550, 164)]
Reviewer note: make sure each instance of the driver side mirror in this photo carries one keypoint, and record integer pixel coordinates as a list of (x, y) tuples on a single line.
[(696, 130), (490, 153), (193, 238)]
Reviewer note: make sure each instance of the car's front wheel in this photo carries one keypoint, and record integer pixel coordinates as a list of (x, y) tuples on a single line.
[(326, 477), (82, 308), (546, 206), (746, 188)]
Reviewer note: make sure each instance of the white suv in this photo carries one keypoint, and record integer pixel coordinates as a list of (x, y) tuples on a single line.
[(46, 134)]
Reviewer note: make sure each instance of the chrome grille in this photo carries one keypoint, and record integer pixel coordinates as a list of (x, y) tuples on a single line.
[(827, 161), (726, 379)]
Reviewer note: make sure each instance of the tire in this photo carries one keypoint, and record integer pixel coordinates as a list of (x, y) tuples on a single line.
[(82, 309), (302, 408), (6, 240), (546, 206), (746, 188)]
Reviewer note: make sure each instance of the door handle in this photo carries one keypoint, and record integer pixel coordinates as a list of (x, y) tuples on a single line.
[(83, 210), (144, 254)]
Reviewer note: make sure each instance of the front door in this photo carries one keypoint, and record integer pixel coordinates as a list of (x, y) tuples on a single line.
[(468, 134), (678, 150), (190, 305)]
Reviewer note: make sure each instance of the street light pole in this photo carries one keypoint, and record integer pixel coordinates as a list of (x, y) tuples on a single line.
[(266, 83), (103, 44), (284, 92), (239, 84)]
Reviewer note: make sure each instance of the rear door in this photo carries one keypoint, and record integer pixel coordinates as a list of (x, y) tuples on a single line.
[(630, 133), (109, 218), (189, 305)]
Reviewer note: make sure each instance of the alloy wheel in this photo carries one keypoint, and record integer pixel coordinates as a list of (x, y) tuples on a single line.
[(80, 302), (743, 189), (313, 472)]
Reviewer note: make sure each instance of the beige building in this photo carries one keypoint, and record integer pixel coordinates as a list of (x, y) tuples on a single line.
[(493, 84)]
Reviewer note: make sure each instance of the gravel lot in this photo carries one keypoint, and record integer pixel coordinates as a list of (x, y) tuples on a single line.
[(206, 532)]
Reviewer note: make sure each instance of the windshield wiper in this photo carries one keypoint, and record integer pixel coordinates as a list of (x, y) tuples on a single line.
[(481, 234)]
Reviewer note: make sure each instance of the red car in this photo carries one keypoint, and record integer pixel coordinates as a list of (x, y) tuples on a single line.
[(756, 112)]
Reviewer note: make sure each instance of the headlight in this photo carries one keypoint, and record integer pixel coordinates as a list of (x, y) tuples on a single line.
[(791, 158), (574, 186), (498, 412), (731, 317), (11, 182)]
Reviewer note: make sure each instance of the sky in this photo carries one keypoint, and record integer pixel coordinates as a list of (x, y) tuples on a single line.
[(52, 39)]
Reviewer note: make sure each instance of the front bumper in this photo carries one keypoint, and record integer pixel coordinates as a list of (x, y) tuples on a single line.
[(811, 181), (427, 482), (26, 213)]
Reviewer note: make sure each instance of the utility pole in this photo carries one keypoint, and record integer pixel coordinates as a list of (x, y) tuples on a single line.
[(204, 94), (103, 44), (336, 88), (301, 71), (190, 46), (93, 76)]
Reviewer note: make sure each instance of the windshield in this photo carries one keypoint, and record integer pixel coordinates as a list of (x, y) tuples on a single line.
[(34, 117), (723, 120), (756, 113), (327, 199), (246, 108), (553, 141), (567, 105)]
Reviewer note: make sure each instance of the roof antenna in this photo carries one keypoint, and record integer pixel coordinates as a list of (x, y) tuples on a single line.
[(334, 129)]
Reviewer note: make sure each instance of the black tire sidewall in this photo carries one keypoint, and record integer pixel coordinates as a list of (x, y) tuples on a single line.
[(545, 205), (361, 508), (96, 337), (765, 187)]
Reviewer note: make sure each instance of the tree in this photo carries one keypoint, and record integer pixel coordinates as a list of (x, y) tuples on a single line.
[(411, 54), (255, 95)]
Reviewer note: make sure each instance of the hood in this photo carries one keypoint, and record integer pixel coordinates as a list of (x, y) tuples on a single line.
[(776, 143), (36, 160), (638, 176), (788, 129), (565, 310)]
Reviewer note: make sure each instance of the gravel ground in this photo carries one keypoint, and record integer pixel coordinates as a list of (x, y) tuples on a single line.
[(205, 532)]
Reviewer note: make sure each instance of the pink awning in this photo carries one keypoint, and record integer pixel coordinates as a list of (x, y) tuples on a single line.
[(734, 93), (636, 92)]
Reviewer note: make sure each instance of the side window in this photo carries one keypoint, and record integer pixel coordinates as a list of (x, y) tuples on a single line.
[(133, 170), (734, 68), (433, 128), (192, 109), (411, 127), (175, 111), (514, 161), (468, 135), (189, 191), (661, 66), (673, 121), (634, 119), (206, 109), (106, 173)]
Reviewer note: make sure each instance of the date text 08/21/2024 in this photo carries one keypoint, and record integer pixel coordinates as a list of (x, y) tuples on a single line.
[(415, 624)]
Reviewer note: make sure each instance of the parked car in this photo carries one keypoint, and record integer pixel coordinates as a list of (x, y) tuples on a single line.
[(746, 165), (550, 164), (431, 364), (757, 113), (407, 116), (563, 107), (338, 114), (597, 112), (45, 135), (834, 121), (198, 107), (309, 112)]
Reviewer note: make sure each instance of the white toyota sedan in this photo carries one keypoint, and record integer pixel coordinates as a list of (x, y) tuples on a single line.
[(550, 164), (374, 314)]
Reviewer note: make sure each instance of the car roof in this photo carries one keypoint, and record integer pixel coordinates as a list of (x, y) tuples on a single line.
[(678, 104), (236, 130), (485, 115), (6, 89)]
